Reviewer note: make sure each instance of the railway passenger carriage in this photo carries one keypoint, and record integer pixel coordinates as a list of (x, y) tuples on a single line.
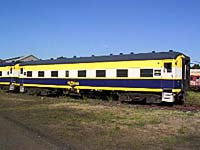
[(195, 79), (9, 75), (154, 77)]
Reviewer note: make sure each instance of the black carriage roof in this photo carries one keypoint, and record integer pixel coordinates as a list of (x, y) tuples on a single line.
[(122, 57), (4, 64)]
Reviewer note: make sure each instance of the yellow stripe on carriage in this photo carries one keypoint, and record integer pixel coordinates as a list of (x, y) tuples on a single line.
[(105, 65), (102, 88), (4, 83), (47, 86)]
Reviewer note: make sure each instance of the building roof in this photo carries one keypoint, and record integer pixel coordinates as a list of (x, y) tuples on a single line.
[(122, 57), (13, 59), (20, 58)]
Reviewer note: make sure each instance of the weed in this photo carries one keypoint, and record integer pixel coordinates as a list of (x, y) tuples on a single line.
[(88, 124), (182, 130)]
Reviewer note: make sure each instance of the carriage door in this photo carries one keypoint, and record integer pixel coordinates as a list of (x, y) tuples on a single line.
[(10, 73), (168, 82), (185, 74)]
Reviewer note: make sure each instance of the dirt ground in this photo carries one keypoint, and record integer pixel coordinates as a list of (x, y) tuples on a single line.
[(13, 137), (94, 124)]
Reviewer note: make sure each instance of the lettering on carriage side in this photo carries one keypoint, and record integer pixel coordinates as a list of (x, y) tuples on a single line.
[(73, 83)]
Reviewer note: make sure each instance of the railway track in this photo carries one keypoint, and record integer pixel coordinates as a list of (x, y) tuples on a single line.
[(94, 101), (184, 107)]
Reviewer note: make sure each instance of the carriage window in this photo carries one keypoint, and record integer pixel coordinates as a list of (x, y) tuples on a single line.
[(10, 70), (122, 72), (100, 73), (168, 67), (66, 73), (82, 73), (8, 73), (40, 73), (29, 73), (157, 72), (25, 73), (0, 73), (54, 73), (146, 72), (21, 71)]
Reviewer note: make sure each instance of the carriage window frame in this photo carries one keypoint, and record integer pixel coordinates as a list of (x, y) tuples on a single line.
[(82, 73), (157, 72), (122, 72), (168, 67), (100, 73), (54, 73), (41, 74), (11, 70), (21, 70), (29, 74), (146, 72), (67, 73)]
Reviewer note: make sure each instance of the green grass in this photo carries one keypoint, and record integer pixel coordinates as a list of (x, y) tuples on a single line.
[(94, 124), (193, 98)]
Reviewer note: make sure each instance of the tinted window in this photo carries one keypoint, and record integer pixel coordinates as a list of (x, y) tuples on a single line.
[(0, 73), (29, 73), (146, 72), (66, 73), (100, 73), (21, 71), (40, 73), (157, 72), (168, 67), (122, 73), (54, 73), (82, 73)]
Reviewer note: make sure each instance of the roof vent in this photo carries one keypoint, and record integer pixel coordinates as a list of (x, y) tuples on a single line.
[(93, 55), (120, 53), (153, 51), (131, 53), (170, 50), (61, 57), (74, 56), (51, 59), (111, 54)]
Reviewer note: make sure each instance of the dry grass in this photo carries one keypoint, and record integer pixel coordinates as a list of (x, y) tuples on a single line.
[(193, 97), (97, 125)]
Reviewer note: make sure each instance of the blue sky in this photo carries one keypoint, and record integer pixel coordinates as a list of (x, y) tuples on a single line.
[(53, 28)]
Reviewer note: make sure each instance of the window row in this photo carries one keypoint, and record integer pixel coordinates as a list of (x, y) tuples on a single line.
[(100, 73), (1, 73), (81, 73), (8, 72)]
